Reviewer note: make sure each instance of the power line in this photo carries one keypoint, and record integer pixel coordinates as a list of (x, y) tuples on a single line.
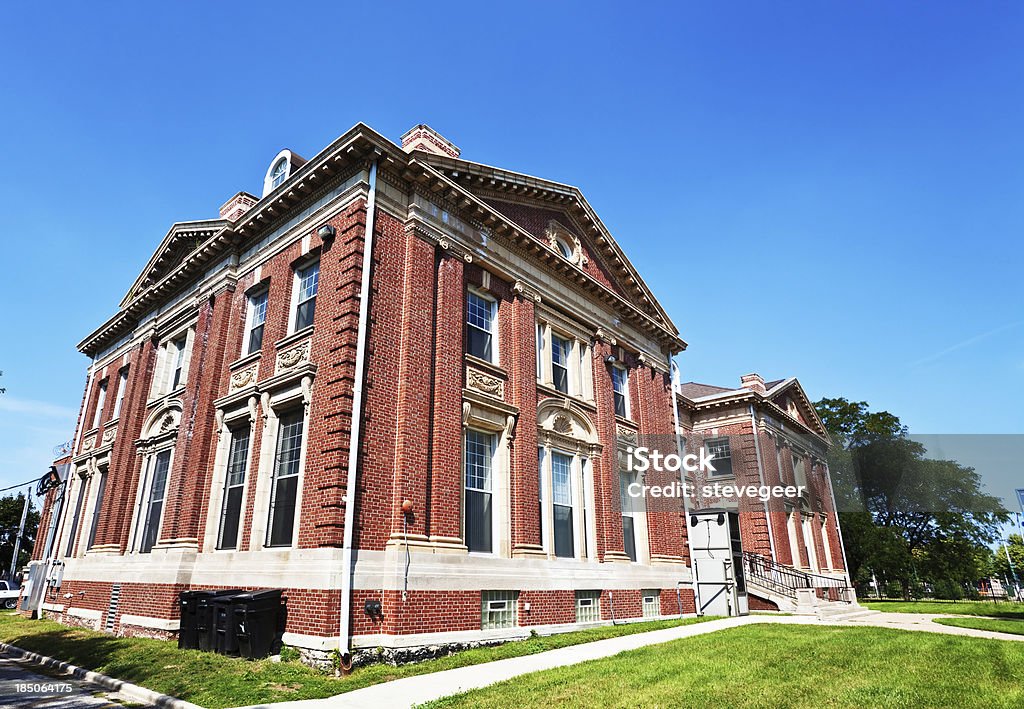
[(24, 484)]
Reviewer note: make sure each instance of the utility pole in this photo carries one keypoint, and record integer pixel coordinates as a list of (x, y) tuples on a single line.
[(21, 533)]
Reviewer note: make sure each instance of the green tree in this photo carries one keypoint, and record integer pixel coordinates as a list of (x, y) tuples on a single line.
[(905, 517), (1001, 567), (11, 507)]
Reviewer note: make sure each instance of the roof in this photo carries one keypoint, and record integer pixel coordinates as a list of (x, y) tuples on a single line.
[(694, 390)]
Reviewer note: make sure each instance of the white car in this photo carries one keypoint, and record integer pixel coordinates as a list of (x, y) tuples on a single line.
[(9, 595)]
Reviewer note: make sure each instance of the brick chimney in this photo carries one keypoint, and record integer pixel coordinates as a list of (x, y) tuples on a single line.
[(753, 382), (237, 206), (425, 138)]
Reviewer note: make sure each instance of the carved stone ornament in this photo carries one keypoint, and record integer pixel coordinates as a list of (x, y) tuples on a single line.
[(89, 442), (109, 434), (562, 424), (243, 378), (626, 434), (485, 383), (167, 423), (555, 233), (293, 357)]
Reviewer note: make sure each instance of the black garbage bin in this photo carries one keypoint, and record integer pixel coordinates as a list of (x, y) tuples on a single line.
[(223, 636), (204, 610), (256, 617), (187, 631)]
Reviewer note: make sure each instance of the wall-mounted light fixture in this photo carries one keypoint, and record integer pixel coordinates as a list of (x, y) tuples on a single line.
[(325, 232)]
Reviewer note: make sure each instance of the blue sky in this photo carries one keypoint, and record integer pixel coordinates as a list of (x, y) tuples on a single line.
[(825, 190)]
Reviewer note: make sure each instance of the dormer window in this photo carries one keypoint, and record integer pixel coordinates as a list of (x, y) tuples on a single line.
[(279, 173), (564, 248)]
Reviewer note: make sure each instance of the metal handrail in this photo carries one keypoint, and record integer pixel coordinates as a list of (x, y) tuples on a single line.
[(786, 580)]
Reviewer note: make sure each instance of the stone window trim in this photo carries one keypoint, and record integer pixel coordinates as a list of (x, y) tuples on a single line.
[(159, 434), (280, 395), (302, 263), (580, 367), (167, 361), (486, 415), (495, 330), (240, 412), (564, 427)]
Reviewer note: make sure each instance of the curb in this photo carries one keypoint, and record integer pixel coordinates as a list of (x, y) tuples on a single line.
[(132, 691)]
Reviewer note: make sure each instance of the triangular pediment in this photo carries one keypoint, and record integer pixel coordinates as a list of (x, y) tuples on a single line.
[(181, 240), (549, 210), (789, 396)]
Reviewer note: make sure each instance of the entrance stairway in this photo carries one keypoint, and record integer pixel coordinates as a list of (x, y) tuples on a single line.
[(830, 597)]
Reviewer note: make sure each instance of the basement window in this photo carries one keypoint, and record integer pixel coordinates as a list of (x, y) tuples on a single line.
[(498, 609), (651, 603), (588, 606)]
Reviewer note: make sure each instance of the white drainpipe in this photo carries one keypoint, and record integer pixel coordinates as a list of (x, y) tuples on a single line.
[(354, 441), (686, 498)]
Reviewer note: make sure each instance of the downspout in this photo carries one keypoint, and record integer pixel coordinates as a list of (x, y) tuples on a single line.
[(839, 528), (686, 498), (760, 476), (354, 440)]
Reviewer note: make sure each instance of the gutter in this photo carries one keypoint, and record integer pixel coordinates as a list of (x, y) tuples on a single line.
[(680, 450), (355, 435), (760, 476)]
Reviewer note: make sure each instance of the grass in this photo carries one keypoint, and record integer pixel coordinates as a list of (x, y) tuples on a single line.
[(216, 681), (779, 666), (997, 625), (992, 609)]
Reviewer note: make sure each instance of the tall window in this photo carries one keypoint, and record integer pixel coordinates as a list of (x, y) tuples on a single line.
[(155, 501), (722, 461), (480, 321), (74, 519), (234, 485), (799, 470), (257, 319), (285, 485), (561, 498), (620, 385), (308, 283), (560, 351), (479, 461), (101, 400), (122, 385), (629, 510), (178, 352), (279, 173), (97, 506)]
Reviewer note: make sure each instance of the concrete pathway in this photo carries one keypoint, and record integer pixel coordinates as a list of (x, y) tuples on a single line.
[(423, 688), (22, 686)]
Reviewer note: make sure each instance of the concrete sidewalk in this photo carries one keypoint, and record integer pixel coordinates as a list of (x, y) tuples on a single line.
[(423, 688)]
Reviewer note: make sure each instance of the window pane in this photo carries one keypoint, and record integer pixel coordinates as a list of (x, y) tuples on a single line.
[(560, 349), (97, 507), (479, 343), (722, 461), (304, 314), (588, 606), (561, 473), (479, 455), (154, 508), (255, 339), (478, 521), (563, 532), (498, 609), (286, 480), (309, 282), (234, 484), (629, 537)]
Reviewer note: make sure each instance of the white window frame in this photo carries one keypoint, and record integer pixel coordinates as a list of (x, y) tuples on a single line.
[(163, 379), (732, 468), (495, 357), (277, 178), (636, 509), (580, 376), (143, 501), (101, 401), (812, 548), (624, 380), (493, 491), (250, 320), (122, 385), (826, 544), (297, 300), (581, 491), (792, 532)]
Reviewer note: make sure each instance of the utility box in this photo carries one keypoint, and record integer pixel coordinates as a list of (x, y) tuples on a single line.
[(718, 562)]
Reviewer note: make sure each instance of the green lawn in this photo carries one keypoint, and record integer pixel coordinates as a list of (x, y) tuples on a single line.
[(998, 625), (215, 681), (992, 609), (780, 666)]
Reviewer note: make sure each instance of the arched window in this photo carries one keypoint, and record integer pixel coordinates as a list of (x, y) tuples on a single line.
[(564, 247), (279, 173)]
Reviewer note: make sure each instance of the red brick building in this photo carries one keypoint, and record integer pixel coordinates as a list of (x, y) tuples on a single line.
[(396, 378)]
